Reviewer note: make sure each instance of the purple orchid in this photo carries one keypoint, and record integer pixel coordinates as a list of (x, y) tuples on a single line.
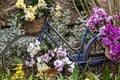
[(30, 62), (45, 58), (59, 64)]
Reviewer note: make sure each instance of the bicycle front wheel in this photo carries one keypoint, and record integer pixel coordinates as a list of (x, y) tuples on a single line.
[(96, 57), (15, 53)]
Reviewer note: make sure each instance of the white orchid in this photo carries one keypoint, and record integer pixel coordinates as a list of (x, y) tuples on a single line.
[(33, 53), (30, 47), (60, 48), (39, 59), (87, 79), (37, 43), (37, 48), (33, 48), (42, 67), (71, 68), (67, 61), (70, 63), (55, 50)]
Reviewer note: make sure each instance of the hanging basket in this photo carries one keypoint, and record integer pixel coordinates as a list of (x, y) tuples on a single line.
[(34, 26), (107, 54)]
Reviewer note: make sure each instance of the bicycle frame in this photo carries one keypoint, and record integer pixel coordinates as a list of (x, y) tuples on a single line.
[(80, 58)]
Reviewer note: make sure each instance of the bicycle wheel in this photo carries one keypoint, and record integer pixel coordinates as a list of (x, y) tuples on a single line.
[(95, 57), (15, 52)]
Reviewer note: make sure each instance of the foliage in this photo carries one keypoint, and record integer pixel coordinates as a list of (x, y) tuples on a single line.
[(106, 74), (73, 33), (9, 33)]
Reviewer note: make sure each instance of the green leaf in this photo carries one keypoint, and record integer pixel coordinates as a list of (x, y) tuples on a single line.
[(116, 78), (18, 60), (39, 14), (75, 74), (96, 77), (106, 74), (30, 77), (60, 77)]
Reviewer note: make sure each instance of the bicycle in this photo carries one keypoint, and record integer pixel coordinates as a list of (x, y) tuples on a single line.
[(90, 57)]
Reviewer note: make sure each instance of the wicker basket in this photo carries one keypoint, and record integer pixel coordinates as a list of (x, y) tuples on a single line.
[(107, 54), (34, 26)]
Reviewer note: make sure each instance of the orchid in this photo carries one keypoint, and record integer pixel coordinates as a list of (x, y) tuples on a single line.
[(98, 16), (59, 64), (45, 58), (61, 53), (109, 33), (55, 59), (33, 48), (30, 62), (110, 37), (19, 74)]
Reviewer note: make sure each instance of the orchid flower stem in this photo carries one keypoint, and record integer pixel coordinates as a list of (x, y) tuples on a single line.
[(108, 7), (87, 7), (76, 8), (83, 6), (97, 3)]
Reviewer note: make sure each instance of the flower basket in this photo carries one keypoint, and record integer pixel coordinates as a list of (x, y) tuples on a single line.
[(107, 54), (34, 26)]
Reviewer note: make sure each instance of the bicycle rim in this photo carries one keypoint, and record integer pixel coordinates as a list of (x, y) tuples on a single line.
[(95, 53), (15, 52)]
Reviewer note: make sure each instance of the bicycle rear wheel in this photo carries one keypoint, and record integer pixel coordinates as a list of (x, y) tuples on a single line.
[(96, 57), (15, 52)]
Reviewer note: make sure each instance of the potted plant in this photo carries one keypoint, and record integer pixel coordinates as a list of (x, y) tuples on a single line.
[(31, 13)]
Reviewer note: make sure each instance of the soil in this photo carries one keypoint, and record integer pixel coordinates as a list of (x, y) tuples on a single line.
[(68, 5), (7, 9)]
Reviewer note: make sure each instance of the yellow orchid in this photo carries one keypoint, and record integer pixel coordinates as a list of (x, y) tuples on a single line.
[(57, 10), (39, 74), (30, 12), (29, 16), (57, 13), (58, 7), (89, 75), (2, 22), (19, 67), (42, 67), (41, 4), (31, 9), (20, 4), (19, 74)]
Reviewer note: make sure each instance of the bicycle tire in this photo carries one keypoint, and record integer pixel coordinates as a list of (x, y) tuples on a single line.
[(95, 52), (9, 56)]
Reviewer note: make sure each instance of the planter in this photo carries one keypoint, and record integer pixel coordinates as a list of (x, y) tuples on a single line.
[(51, 73), (34, 26), (107, 54)]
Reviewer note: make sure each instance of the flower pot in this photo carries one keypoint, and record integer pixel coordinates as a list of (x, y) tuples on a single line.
[(34, 26), (51, 73), (107, 52)]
